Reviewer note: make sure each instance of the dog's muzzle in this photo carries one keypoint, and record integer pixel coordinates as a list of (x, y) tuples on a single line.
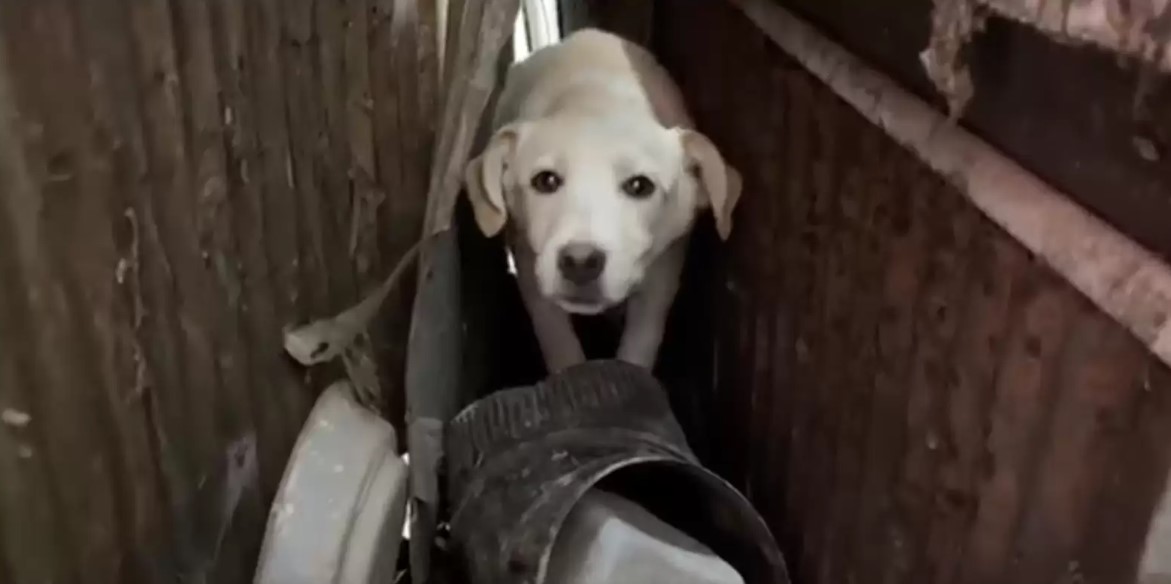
[(580, 267)]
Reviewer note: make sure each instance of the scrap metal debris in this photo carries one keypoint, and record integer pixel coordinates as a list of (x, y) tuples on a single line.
[(953, 24), (1139, 29)]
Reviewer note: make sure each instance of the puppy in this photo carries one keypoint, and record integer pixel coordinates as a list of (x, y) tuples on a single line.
[(596, 173)]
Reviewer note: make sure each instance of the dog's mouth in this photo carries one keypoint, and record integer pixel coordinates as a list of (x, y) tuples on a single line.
[(582, 302)]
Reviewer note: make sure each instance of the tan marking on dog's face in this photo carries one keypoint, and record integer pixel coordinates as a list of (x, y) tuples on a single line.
[(592, 204)]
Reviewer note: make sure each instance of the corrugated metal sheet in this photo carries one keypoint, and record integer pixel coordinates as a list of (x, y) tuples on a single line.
[(901, 389), (178, 181)]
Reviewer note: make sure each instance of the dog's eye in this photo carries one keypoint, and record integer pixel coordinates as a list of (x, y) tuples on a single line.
[(639, 187), (546, 182)]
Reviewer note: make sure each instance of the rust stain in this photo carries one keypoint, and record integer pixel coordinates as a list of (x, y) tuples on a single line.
[(1025, 394)]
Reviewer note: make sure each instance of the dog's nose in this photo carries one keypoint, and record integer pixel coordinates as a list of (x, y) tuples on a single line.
[(581, 263)]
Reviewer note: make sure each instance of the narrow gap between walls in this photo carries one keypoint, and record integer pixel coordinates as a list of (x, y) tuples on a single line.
[(537, 25)]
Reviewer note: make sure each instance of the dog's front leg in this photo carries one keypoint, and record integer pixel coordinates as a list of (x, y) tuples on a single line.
[(555, 335), (646, 311)]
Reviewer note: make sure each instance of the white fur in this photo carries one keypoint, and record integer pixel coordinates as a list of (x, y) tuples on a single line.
[(596, 111)]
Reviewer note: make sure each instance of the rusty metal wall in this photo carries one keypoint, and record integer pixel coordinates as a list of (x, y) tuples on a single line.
[(900, 388), (179, 180), (1110, 149)]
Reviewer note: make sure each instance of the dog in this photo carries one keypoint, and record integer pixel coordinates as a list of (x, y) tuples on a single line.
[(596, 174)]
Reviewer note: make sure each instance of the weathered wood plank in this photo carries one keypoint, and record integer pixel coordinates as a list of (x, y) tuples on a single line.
[(167, 232), (270, 376), (29, 510), (387, 95), (332, 22), (68, 259), (365, 196), (297, 41), (208, 202), (281, 211)]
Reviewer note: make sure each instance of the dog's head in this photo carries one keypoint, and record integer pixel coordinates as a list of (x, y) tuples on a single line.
[(598, 198)]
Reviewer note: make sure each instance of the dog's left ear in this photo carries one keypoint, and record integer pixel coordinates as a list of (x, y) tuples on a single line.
[(484, 180), (720, 183)]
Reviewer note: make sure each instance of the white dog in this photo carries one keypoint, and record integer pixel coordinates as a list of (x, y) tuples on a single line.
[(596, 169)]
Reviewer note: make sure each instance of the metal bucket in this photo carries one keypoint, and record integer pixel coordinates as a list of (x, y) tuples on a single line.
[(520, 459)]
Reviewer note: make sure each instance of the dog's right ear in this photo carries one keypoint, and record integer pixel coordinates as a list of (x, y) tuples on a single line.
[(484, 180), (720, 183)]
